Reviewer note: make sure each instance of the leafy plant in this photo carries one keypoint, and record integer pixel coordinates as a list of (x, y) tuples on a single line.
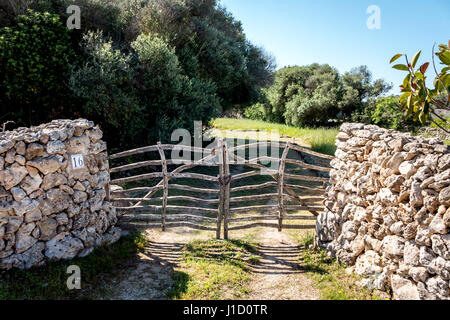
[(417, 99), (35, 56)]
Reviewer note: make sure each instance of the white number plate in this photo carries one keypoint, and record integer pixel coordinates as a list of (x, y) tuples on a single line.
[(77, 161)]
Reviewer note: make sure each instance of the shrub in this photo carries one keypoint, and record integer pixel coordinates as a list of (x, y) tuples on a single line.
[(172, 100), (35, 56), (256, 112), (105, 85), (386, 113)]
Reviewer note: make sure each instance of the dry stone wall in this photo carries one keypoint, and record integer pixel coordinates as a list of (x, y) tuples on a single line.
[(53, 179), (388, 211)]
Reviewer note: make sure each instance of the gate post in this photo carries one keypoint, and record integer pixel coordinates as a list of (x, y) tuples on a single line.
[(165, 187), (219, 151), (281, 186), (227, 181)]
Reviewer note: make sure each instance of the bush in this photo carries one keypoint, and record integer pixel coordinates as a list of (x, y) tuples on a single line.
[(105, 85), (172, 100), (385, 112), (35, 56), (256, 112)]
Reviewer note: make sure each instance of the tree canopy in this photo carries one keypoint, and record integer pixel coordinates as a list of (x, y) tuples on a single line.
[(140, 68)]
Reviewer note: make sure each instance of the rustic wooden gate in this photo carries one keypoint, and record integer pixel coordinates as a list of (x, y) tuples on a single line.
[(135, 208)]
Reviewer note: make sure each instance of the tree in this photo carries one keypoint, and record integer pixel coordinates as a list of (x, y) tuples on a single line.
[(359, 90), (419, 101), (35, 58)]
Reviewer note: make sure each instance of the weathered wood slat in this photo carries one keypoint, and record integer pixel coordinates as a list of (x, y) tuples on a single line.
[(170, 198), (144, 226), (220, 209), (272, 225), (189, 175), (273, 217), (149, 208), (258, 144), (255, 186), (280, 181), (150, 163), (313, 153), (136, 166), (267, 196), (226, 191), (294, 186), (252, 174), (193, 189), (165, 186), (305, 178), (304, 208), (170, 217), (165, 147), (266, 208), (307, 165), (129, 191), (147, 176)]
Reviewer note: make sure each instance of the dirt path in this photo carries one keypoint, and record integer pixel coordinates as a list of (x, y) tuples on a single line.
[(278, 275)]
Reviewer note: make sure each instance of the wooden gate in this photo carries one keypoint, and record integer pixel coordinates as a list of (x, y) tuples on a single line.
[(224, 193)]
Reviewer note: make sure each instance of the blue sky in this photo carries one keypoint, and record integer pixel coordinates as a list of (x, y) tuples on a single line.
[(300, 32)]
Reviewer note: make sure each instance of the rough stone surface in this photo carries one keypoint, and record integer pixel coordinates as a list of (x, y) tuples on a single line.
[(391, 191), (48, 209)]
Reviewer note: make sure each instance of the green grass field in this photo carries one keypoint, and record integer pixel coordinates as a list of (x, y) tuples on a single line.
[(319, 139)]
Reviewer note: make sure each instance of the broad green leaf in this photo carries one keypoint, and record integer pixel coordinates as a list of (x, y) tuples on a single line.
[(415, 59), (401, 67), (396, 57)]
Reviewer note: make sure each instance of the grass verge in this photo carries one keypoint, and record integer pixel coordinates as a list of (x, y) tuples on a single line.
[(330, 276), (49, 282), (320, 139), (212, 270)]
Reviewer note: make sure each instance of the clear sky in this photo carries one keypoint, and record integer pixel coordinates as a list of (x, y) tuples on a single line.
[(300, 32)]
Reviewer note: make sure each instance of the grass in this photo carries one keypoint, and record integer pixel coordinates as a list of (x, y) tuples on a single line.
[(213, 270), (330, 276), (320, 139), (49, 282)]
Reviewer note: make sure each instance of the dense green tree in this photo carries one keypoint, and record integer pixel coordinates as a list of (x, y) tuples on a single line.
[(35, 58), (314, 94), (140, 68)]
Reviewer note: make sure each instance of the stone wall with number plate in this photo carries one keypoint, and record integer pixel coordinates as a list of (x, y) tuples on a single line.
[(388, 211), (53, 181)]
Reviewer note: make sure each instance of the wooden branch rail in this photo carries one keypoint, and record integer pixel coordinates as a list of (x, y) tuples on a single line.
[(169, 225), (144, 216), (165, 147), (272, 225), (169, 198)]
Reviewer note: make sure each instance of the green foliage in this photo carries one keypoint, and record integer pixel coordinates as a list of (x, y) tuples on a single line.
[(386, 113), (105, 85), (35, 56), (139, 68), (172, 100), (314, 94), (213, 270), (417, 100), (255, 112), (210, 45)]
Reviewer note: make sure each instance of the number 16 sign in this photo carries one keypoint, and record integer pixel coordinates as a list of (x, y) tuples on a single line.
[(77, 161)]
